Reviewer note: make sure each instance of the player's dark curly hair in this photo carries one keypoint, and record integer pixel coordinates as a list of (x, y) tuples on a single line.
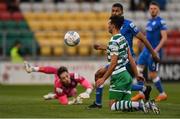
[(118, 5), (61, 70), (117, 21)]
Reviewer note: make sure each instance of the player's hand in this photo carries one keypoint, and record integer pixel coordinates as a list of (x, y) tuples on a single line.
[(84, 95), (99, 82), (77, 100), (140, 78), (71, 102), (59, 90), (155, 57)]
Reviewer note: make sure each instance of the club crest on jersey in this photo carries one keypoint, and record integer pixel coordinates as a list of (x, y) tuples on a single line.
[(154, 23)]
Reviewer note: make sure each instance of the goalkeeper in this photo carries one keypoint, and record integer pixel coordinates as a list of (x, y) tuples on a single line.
[(65, 84)]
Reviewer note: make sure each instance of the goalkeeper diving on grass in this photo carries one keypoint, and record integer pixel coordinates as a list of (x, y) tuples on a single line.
[(65, 84)]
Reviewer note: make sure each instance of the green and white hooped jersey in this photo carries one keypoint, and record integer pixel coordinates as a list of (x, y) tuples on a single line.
[(118, 46)]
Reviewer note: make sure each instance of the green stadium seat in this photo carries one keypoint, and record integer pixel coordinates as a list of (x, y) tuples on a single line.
[(1, 25), (22, 25), (1, 38), (28, 35), (13, 36), (10, 25)]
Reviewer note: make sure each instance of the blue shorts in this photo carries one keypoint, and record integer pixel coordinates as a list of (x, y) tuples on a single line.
[(145, 59)]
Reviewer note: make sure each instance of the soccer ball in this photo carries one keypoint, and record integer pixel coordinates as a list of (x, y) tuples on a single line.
[(71, 38)]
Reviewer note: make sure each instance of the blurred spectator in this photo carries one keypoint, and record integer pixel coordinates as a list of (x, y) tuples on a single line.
[(87, 0), (56, 1), (15, 53), (13, 5), (162, 4), (139, 5)]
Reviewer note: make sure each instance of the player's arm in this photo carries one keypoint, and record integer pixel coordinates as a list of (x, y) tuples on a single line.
[(163, 28), (114, 59), (100, 47), (143, 39), (134, 67), (85, 83), (163, 40)]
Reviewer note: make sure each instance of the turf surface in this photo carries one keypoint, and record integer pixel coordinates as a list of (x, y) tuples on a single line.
[(27, 102)]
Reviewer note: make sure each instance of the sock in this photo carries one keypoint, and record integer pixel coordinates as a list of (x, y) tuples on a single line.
[(135, 105), (122, 105), (136, 87), (35, 69), (158, 85), (140, 83), (99, 92)]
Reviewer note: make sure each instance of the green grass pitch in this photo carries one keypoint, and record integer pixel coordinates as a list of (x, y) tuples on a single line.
[(26, 101)]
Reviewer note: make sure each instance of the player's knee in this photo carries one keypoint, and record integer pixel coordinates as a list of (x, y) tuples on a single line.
[(63, 102), (140, 70), (153, 75), (100, 73)]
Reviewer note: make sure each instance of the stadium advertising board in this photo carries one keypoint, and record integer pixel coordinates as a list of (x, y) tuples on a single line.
[(170, 71), (15, 73)]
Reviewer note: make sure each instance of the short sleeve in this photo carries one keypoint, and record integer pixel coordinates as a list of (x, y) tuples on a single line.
[(114, 48), (76, 77), (163, 25), (134, 28)]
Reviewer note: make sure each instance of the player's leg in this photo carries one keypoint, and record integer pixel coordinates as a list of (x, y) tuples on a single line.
[(153, 74), (128, 105), (63, 99), (44, 69), (144, 92), (121, 92), (99, 91), (151, 105), (29, 68)]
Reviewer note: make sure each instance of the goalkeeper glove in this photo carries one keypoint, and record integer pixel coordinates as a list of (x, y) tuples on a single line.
[(86, 94), (77, 100)]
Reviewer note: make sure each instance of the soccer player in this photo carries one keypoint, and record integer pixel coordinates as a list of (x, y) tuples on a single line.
[(128, 30), (118, 54), (65, 84), (156, 34)]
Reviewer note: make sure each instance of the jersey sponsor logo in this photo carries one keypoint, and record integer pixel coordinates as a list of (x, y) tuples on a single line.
[(114, 53), (148, 28), (113, 48)]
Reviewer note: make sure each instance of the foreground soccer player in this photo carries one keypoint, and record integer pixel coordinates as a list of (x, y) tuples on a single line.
[(128, 30), (120, 84), (156, 31), (65, 84)]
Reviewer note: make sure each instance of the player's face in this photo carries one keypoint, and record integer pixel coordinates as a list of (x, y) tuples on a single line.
[(110, 26), (65, 78), (116, 11), (153, 10)]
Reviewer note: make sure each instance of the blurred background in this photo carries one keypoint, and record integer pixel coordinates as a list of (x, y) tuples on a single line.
[(35, 28)]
